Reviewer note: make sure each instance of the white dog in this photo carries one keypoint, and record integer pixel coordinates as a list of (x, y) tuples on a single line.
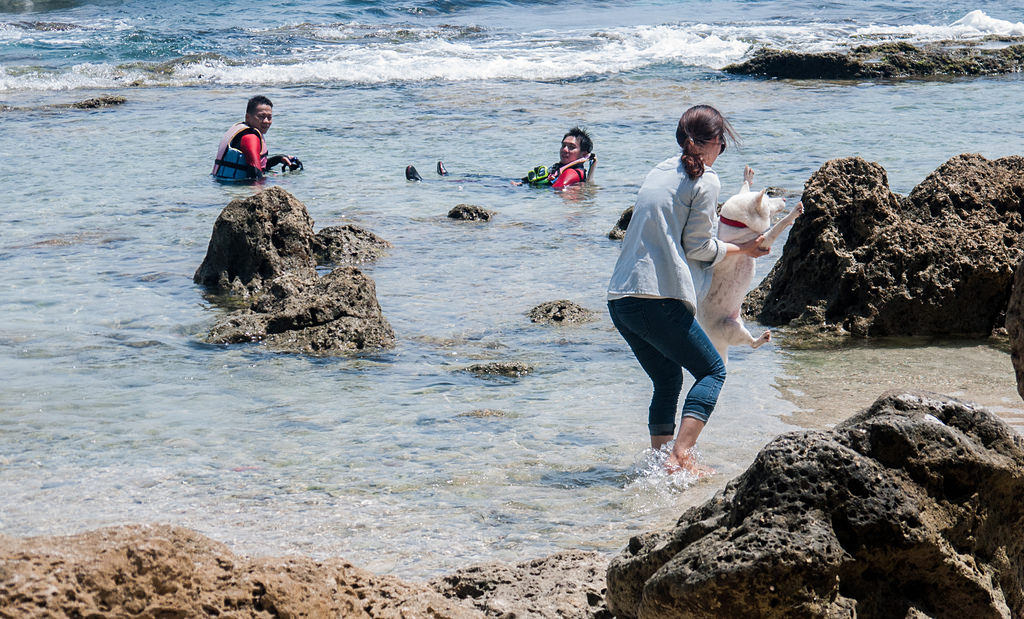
[(743, 218)]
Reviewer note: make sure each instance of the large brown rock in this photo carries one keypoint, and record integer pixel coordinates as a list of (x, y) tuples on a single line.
[(867, 262), (263, 256), (909, 509), (173, 573), (257, 239), (562, 586)]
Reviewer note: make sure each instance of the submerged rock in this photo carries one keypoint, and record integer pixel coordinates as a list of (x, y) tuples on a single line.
[(470, 212), (909, 509), (104, 101), (263, 251), (484, 413), (564, 585), (562, 312), (512, 369), (165, 571), (887, 60), (867, 262)]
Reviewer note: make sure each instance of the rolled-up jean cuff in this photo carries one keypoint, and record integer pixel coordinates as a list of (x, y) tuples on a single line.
[(662, 429), (698, 415)]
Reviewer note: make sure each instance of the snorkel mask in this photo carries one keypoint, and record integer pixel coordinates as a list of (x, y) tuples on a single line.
[(538, 176)]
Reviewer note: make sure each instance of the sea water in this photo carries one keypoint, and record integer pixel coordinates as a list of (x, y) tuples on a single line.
[(113, 409)]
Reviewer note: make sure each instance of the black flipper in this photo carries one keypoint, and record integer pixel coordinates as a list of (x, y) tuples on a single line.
[(411, 174)]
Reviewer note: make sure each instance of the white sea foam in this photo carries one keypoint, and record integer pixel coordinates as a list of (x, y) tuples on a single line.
[(983, 24), (974, 25), (541, 55), (378, 54), (81, 76)]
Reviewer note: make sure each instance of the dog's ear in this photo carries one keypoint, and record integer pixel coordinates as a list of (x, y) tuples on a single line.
[(761, 205)]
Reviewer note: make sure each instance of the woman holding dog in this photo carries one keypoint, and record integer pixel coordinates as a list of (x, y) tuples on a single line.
[(662, 274)]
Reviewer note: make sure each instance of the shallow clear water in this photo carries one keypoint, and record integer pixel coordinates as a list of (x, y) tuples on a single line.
[(114, 411)]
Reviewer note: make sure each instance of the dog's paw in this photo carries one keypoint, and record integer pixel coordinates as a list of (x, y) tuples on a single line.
[(764, 339)]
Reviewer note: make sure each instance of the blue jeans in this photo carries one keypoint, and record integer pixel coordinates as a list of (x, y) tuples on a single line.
[(666, 338)]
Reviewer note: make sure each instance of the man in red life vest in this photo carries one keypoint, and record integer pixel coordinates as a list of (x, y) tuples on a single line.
[(242, 154)]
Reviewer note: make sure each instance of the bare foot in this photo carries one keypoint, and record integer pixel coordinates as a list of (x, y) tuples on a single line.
[(748, 174), (686, 462)]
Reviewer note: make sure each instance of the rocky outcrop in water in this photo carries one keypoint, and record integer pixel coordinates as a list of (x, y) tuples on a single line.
[(171, 572), (564, 585), (510, 369), (470, 212), (867, 262), (888, 60), (86, 104), (909, 509), (257, 239), (263, 254), (561, 312)]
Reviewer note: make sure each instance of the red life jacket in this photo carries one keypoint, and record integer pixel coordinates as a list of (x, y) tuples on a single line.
[(230, 163)]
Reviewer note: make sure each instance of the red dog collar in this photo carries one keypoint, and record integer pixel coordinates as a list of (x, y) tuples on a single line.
[(732, 222)]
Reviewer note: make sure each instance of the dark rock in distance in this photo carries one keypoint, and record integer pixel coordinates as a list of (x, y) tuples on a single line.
[(96, 102), (86, 104), (470, 212), (887, 60), (562, 312), (909, 509), (867, 262)]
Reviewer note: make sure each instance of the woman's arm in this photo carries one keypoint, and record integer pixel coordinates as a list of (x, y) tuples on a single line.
[(699, 242)]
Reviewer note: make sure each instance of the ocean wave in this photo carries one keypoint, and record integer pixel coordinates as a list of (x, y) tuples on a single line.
[(982, 24), (974, 25), (340, 52)]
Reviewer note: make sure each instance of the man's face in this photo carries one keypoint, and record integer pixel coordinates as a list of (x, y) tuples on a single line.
[(260, 118), (570, 150)]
